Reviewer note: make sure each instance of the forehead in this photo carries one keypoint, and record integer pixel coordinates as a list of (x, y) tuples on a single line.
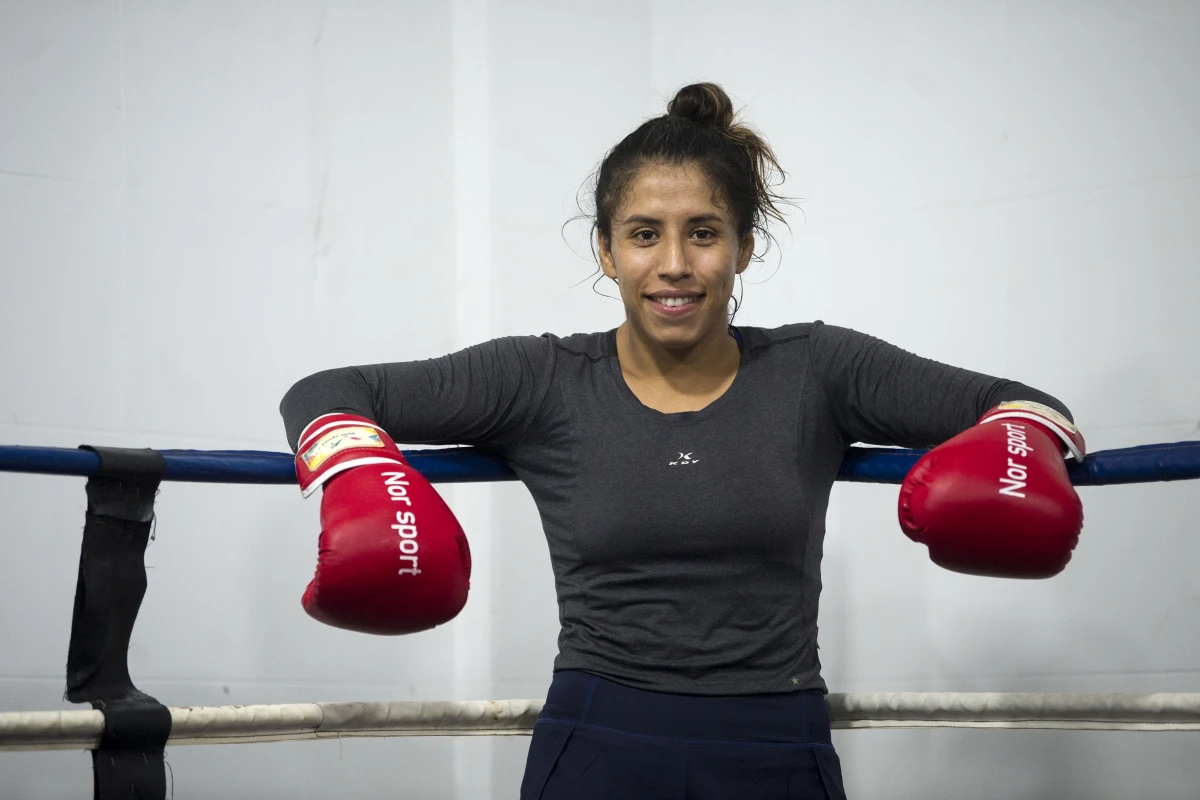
[(666, 190)]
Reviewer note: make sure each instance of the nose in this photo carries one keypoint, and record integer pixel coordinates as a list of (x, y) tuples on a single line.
[(673, 264)]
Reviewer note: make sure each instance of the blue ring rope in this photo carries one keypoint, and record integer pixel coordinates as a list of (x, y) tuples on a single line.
[(1173, 461)]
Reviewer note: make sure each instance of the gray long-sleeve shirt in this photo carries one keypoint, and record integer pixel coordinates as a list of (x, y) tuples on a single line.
[(686, 547)]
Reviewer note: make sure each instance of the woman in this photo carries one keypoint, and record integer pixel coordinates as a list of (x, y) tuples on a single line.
[(682, 468)]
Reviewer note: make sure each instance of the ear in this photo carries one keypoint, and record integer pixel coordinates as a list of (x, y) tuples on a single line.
[(745, 253), (603, 246)]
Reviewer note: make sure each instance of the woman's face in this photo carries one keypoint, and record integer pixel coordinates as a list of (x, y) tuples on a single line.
[(674, 253)]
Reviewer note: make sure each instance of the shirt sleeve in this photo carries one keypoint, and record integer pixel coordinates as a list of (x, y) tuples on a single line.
[(485, 395), (881, 394)]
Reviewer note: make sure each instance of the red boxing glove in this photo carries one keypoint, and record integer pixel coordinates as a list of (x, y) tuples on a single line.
[(996, 500), (393, 559)]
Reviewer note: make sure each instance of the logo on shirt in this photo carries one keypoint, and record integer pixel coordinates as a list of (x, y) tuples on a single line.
[(684, 458)]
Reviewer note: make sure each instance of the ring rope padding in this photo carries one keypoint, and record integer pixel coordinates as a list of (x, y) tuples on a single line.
[(1169, 461)]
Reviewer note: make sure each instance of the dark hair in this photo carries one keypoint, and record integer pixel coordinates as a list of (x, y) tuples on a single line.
[(701, 128)]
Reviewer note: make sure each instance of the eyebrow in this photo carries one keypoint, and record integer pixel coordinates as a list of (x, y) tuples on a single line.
[(699, 219)]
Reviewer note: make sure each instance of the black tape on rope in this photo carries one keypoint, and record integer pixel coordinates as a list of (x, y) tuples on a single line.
[(128, 763)]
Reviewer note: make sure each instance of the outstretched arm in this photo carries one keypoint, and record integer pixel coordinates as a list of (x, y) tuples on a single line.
[(484, 395), (881, 394)]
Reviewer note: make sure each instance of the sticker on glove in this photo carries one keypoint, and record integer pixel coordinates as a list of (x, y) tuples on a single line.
[(338, 440)]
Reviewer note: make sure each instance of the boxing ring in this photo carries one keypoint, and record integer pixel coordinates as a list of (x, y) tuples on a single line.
[(127, 730)]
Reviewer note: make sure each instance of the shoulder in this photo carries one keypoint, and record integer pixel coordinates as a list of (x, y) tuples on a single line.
[(549, 343), (797, 334), (586, 346), (541, 354), (824, 347), (817, 333)]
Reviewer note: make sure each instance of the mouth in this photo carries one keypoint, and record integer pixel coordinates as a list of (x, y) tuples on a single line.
[(675, 303)]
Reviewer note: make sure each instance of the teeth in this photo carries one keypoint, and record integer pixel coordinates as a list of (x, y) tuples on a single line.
[(675, 301)]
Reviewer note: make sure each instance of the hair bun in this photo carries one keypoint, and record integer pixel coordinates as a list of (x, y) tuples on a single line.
[(704, 103)]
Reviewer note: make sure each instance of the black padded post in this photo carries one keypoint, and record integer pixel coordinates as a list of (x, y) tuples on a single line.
[(128, 763)]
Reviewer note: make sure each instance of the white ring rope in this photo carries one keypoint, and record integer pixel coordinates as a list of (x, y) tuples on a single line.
[(1163, 711), (80, 730)]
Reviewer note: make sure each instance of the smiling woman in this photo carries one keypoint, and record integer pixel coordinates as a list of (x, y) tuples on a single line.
[(682, 469), (674, 252), (678, 202)]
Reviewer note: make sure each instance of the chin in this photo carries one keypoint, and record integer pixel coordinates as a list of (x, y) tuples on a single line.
[(677, 338)]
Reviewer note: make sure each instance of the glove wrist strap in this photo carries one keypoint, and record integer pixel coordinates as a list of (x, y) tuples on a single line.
[(334, 443), (1053, 421)]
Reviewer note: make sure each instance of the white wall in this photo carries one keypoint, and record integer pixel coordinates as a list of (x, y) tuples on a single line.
[(202, 201)]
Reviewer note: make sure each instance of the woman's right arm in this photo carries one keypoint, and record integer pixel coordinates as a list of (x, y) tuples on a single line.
[(485, 395)]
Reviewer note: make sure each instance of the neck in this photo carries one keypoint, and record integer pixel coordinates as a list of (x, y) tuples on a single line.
[(709, 363)]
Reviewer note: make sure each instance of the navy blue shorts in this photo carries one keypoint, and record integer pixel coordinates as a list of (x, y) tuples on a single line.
[(598, 739)]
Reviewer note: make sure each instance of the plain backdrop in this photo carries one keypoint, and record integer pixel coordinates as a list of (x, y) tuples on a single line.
[(202, 201)]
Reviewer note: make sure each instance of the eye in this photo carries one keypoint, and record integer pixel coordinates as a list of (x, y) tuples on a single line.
[(704, 234), (644, 235)]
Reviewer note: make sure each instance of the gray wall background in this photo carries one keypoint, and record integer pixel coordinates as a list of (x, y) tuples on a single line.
[(201, 202)]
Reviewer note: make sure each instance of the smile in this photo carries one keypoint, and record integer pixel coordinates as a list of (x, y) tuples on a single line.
[(676, 303), (673, 302)]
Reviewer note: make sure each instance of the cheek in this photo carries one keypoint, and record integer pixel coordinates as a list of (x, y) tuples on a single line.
[(629, 292), (721, 272), (633, 266)]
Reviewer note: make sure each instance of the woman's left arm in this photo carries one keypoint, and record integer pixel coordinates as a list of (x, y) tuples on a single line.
[(993, 496), (881, 394)]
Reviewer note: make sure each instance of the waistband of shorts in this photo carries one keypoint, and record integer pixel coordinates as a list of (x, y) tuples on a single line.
[(786, 718)]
